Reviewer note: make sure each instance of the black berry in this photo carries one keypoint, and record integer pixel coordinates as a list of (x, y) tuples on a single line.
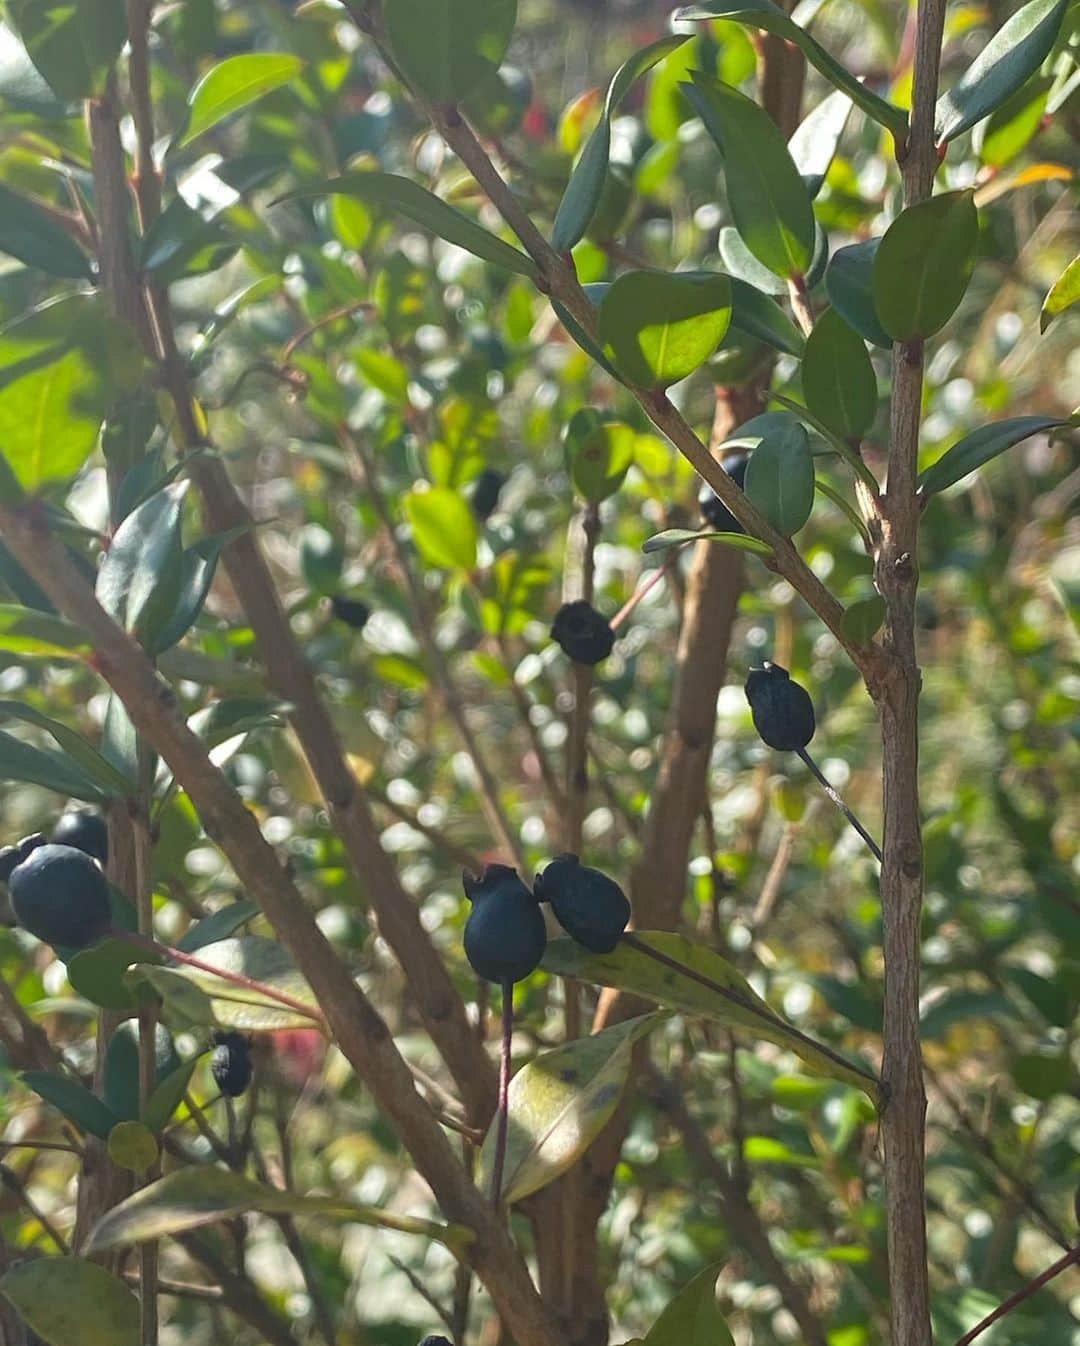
[(505, 935), (589, 906), (86, 831), (486, 491), (230, 1063), (353, 612), (435, 1341), (60, 895), (11, 856), (713, 510), (782, 710), (582, 632)]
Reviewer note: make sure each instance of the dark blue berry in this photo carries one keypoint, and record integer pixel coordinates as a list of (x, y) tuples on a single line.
[(713, 510), (353, 612), (505, 935), (11, 856), (582, 632), (486, 491), (782, 710), (589, 906), (230, 1063), (60, 895), (86, 831), (435, 1341)]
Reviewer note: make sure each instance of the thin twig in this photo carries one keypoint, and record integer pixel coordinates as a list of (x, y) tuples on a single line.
[(503, 1114), (1071, 1258), (821, 779)]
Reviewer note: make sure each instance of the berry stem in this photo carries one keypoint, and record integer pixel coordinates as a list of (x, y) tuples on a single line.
[(151, 945), (1025, 1292), (819, 776), (638, 594), (503, 1118)]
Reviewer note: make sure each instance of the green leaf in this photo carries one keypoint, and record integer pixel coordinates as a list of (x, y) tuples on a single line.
[(767, 197), (88, 759), (121, 1092), (21, 761), (234, 716), (923, 265), (422, 207), (97, 974), (22, 87), (140, 578), (72, 42), (759, 316), (1007, 61), (234, 84), (838, 379), (193, 1197), (70, 1302), (219, 926), (780, 478), (1064, 293), (585, 188), (658, 327), (447, 47), (693, 1317), (27, 631), (132, 1146), (971, 452), (198, 565), (680, 537), (183, 241), (558, 1104), (74, 1100), (263, 960), (444, 529), (630, 969), (28, 233), (814, 143), (849, 284), (1011, 127), (168, 1095), (741, 264), (863, 619), (772, 19), (599, 451)]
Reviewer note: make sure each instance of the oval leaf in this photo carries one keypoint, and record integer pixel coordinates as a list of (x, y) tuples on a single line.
[(759, 316), (444, 528), (599, 451), (969, 454), (838, 379), (234, 84), (1007, 61), (658, 327), (139, 580), (70, 1302), (680, 537), (132, 1146), (815, 140), (767, 197), (447, 47), (780, 478), (32, 236), (74, 1100), (193, 1197), (923, 265), (693, 1317), (1064, 292), (559, 1103), (27, 631), (72, 44), (849, 284), (863, 619)]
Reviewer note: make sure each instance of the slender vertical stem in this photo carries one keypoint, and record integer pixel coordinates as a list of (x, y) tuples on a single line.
[(503, 1115), (820, 777), (144, 906)]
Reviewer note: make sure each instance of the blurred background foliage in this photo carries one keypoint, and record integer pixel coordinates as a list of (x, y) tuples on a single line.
[(301, 316)]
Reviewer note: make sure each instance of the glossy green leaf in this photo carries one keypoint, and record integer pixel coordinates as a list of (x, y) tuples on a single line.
[(447, 47), (780, 478), (1064, 293), (767, 197), (559, 1103), (87, 758), (1007, 62), (28, 233), (121, 1091), (837, 377), (198, 566), (737, 1005), (970, 453), (923, 265), (97, 974), (184, 241), (814, 142), (444, 529), (585, 188), (658, 327), (759, 316), (140, 578), (193, 1197), (429, 212), (1011, 127), (772, 19), (693, 1317), (235, 83), (22, 86), (29, 632), (681, 537), (21, 761), (741, 264), (72, 42), (71, 1302), (74, 1100), (849, 284), (131, 1145), (599, 451), (863, 619), (218, 926)]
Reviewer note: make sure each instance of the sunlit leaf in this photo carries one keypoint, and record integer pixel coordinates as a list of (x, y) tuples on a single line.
[(72, 42), (235, 83), (693, 1317), (1064, 293), (29, 632), (444, 528), (923, 264), (680, 537), (658, 327), (970, 453)]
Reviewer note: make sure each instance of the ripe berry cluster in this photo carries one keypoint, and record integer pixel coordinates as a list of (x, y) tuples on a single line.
[(57, 888)]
